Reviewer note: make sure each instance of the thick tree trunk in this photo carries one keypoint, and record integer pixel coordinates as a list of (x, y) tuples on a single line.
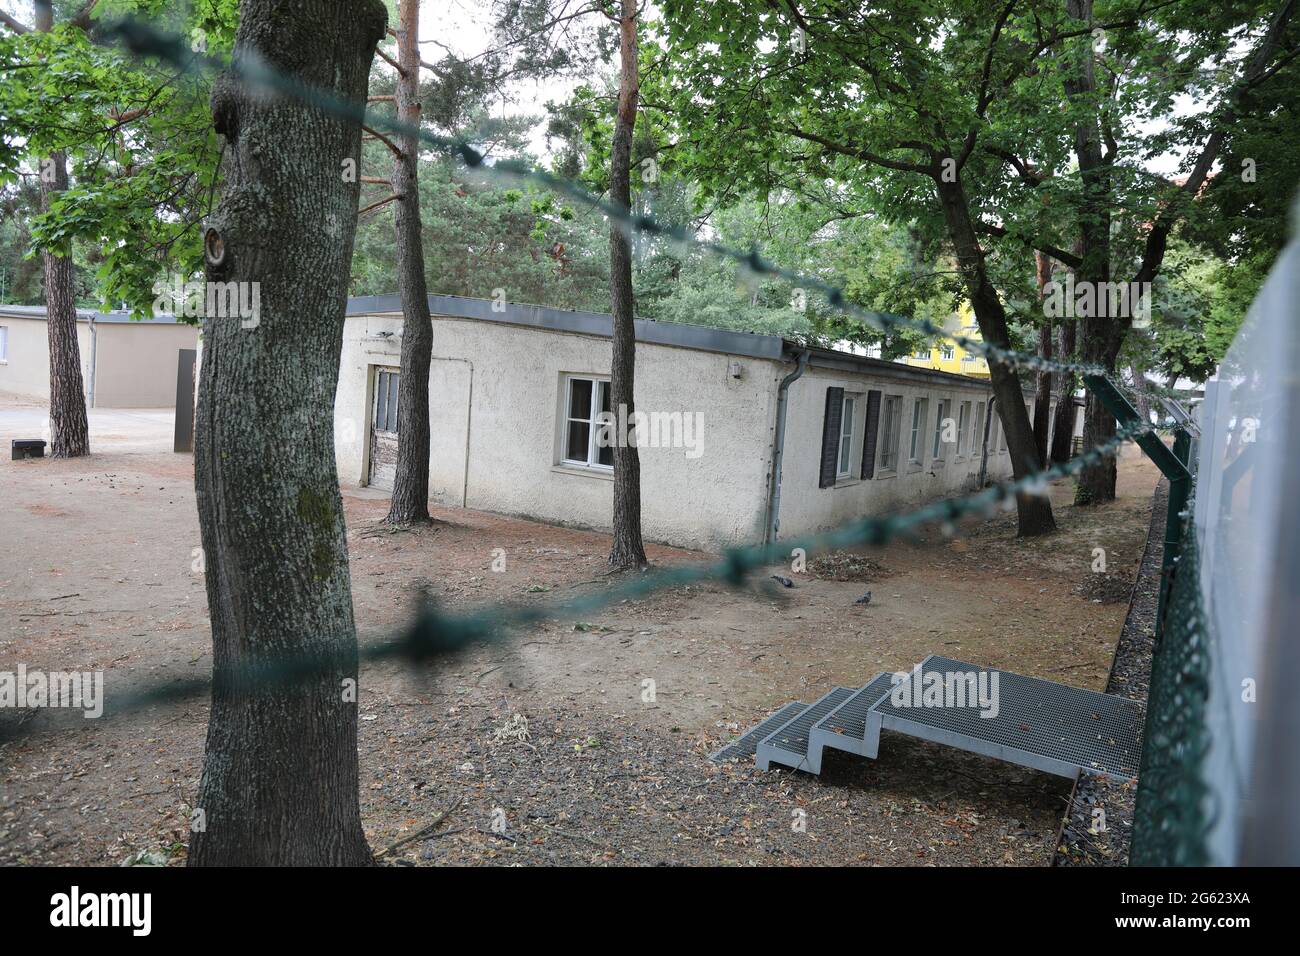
[(627, 550), (1043, 392), (279, 782), (410, 501), (1099, 342), (1139, 390), (1063, 429), (1034, 512), (69, 429)]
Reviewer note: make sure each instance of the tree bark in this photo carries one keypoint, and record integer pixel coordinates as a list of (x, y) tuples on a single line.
[(1099, 343), (1063, 430), (1139, 390), (69, 429), (1043, 392), (410, 501), (279, 783), (627, 550), (1034, 512)]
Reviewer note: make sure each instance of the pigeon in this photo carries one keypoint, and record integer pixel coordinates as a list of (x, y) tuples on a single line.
[(784, 582), (865, 599)]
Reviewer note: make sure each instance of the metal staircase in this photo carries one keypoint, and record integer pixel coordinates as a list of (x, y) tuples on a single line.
[(1022, 720)]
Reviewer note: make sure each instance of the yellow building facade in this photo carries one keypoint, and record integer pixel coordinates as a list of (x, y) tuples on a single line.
[(949, 356)]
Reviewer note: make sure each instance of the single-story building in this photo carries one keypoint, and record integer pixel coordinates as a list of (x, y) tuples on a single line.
[(743, 437), (125, 362)]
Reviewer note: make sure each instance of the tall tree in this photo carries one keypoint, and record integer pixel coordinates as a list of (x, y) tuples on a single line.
[(69, 428), (1043, 392), (410, 501), (279, 783), (1155, 56), (627, 550), (889, 102)]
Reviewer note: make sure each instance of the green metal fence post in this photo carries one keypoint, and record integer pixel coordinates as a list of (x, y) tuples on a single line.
[(1172, 464)]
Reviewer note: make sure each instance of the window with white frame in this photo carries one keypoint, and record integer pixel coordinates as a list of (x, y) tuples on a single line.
[(585, 399), (963, 429), (891, 420), (977, 435), (922, 354), (847, 423), (944, 411), (947, 351), (916, 447), (4, 343)]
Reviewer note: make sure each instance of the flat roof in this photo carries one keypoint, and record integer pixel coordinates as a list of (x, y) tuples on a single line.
[(85, 315), (678, 334)]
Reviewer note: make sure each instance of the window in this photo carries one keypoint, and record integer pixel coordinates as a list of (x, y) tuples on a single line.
[(585, 400), (922, 354), (845, 469), (4, 343), (977, 436), (386, 400), (963, 428), (890, 421), (946, 351), (917, 444), (944, 412)]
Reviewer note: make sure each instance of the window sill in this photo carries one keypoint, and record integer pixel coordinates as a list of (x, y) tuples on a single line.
[(886, 473), (846, 482), (913, 467), (584, 471)]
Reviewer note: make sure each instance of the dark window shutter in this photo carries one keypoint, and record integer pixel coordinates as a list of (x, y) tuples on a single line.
[(869, 437), (831, 436)]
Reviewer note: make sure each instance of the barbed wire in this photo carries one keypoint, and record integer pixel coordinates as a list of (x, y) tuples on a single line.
[(143, 39), (438, 634)]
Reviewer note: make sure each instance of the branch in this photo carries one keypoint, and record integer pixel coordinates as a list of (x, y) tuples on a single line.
[(375, 134), (13, 24), (1060, 255), (82, 17), (391, 62), (374, 179), (381, 99), (1157, 239), (862, 154), (376, 205)]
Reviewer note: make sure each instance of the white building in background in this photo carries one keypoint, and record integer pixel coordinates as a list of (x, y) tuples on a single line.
[(125, 362), (516, 394)]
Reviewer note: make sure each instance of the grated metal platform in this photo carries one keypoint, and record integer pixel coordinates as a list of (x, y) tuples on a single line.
[(844, 728), (747, 743), (788, 745), (1034, 723), (1039, 723)]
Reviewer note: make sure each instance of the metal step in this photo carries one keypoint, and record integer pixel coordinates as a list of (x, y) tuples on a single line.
[(1040, 724), (747, 743), (788, 744), (845, 727)]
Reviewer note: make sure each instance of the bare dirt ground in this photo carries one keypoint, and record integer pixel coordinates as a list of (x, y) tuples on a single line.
[(97, 573)]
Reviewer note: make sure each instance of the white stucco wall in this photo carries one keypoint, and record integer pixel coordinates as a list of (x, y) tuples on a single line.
[(25, 372), (135, 363), (495, 394), (495, 414), (805, 507)]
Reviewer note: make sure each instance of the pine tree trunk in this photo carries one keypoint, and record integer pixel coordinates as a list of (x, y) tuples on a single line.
[(410, 501), (1063, 430), (1034, 512), (627, 550), (69, 429), (279, 783)]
